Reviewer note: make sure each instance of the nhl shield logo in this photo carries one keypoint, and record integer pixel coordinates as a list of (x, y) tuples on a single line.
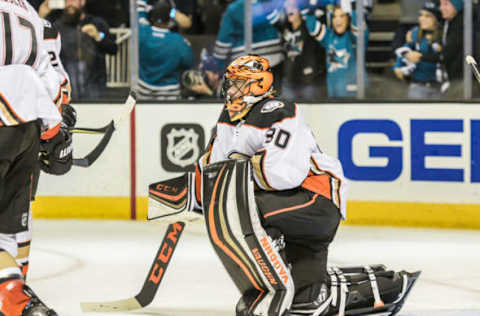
[(181, 146)]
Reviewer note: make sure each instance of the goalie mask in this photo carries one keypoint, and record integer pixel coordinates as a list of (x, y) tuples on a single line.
[(247, 80)]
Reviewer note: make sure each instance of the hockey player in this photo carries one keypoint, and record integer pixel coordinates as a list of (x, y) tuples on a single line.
[(301, 191), (52, 43), (163, 54), (272, 201), (29, 125), (22, 41)]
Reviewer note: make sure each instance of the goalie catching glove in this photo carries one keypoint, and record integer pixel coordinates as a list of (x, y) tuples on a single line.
[(56, 153), (174, 197)]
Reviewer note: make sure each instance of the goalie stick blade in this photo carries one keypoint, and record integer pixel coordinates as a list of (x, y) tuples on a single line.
[(153, 280)]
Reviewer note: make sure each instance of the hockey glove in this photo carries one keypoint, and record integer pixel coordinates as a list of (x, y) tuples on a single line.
[(56, 153), (174, 197), (69, 115)]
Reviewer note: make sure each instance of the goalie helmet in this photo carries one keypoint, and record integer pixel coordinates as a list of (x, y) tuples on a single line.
[(247, 80)]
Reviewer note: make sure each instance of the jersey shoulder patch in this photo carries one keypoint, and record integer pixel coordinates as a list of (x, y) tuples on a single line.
[(270, 111), (271, 106)]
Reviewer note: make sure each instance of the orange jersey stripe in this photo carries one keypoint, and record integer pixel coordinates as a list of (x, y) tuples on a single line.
[(337, 189), (292, 208), (319, 184), (11, 112)]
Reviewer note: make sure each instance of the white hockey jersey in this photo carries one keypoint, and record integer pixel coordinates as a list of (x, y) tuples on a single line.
[(21, 42), (53, 44), (24, 98), (282, 148)]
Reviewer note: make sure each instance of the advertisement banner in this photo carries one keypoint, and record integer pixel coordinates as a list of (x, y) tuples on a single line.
[(406, 164)]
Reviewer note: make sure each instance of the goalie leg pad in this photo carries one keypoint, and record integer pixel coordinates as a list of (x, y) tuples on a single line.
[(245, 249), (367, 290)]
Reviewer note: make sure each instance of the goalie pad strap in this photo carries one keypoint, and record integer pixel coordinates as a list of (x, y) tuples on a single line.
[(333, 289), (343, 291), (404, 289), (373, 282)]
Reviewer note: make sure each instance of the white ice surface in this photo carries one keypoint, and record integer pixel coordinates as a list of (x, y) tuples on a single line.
[(83, 261)]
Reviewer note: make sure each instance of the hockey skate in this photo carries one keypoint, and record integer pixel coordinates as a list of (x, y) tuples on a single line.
[(18, 299), (35, 306)]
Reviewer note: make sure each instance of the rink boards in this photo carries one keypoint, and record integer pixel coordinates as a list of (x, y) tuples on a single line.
[(407, 164)]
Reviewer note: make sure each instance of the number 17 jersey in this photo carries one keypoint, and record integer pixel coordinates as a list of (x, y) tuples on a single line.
[(21, 41)]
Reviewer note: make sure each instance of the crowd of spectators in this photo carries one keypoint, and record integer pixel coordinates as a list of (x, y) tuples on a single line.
[(311, 44)]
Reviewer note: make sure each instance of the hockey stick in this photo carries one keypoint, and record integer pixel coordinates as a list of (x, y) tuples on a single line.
[(107, 130), (152, 282), (471, 61)]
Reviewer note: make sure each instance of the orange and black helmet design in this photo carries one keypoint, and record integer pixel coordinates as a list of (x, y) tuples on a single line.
[(256, 82), (255, 69)]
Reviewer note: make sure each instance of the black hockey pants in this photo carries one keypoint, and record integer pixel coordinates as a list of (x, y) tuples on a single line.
[(309, 223), (19, 147)]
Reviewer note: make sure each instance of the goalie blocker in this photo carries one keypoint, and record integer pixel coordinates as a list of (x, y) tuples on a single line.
[(254, 256), (174, 198)]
